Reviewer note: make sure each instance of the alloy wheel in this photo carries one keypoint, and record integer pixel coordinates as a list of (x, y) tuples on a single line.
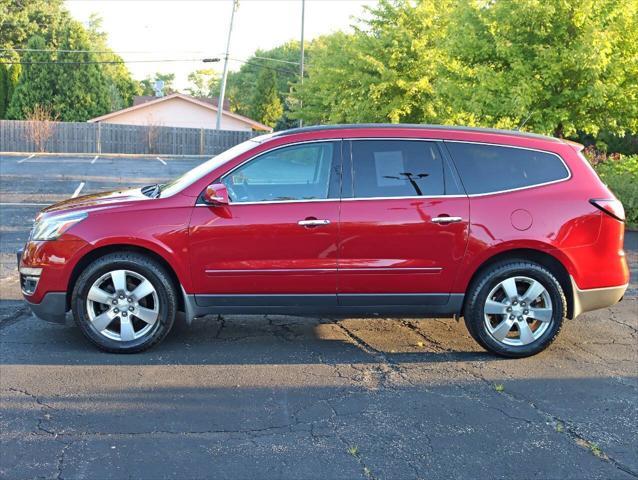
[(122, 305), (518, 311)]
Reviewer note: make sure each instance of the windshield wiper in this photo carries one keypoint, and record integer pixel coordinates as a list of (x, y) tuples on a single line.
[(152, 191)]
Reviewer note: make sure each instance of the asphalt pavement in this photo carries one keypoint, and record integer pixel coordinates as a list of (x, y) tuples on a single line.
[(247, 397)]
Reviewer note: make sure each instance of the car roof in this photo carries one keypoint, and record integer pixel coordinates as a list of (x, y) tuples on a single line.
[(409, 126)]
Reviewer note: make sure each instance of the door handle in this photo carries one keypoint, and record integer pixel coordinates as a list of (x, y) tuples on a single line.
[(313, 222), (444, 220)]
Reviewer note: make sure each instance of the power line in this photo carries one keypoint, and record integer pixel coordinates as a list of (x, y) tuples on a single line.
[(261, 65)]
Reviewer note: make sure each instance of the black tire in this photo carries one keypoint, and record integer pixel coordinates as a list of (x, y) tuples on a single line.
[(490, 278), (150, 270)]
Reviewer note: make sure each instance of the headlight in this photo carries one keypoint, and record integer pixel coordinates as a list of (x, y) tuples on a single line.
[(50, 228)]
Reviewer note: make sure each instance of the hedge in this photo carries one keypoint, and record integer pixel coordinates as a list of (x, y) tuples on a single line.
[(620, 174)]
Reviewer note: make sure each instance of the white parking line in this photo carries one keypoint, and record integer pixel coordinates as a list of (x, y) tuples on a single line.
[(161, 160), (93, 161), (78, 190), (27, 158)]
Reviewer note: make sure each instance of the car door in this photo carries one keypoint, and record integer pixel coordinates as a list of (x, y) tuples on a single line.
[(276, 241), (404, 224)]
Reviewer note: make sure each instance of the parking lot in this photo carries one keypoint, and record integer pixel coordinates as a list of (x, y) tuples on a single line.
[(285, 397)]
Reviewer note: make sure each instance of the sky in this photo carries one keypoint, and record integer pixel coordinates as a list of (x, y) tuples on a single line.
[(191, 29)]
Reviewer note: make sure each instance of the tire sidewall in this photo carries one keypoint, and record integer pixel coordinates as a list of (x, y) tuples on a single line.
[(478, 329), (149, 271)]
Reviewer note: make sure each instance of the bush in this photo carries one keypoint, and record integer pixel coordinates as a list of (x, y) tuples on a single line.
[(620, 174)]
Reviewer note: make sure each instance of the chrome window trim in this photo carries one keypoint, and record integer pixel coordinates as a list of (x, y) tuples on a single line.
[(412, 197)]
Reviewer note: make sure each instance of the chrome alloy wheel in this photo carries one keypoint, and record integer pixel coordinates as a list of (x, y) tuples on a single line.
[(122, 305), (518, 311)]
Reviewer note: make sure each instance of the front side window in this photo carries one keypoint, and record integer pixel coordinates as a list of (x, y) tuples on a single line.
[(396, 168), (492, 168), (297, 172)]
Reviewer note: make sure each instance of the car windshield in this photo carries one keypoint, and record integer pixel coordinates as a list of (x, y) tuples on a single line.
[(199, 171)]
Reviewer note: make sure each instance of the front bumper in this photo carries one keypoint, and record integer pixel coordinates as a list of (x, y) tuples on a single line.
[(595, 298), (52, 308)]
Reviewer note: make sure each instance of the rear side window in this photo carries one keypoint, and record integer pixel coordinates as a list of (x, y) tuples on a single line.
[(491, 168), (396, 168)]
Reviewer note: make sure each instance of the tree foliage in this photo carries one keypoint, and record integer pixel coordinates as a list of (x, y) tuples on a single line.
[(203, 83), (566, 65), (71, 92), (266, 105), (560, 65), (75, 90)]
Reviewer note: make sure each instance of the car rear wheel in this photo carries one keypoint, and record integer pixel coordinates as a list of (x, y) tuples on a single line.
[(124, 302), (515, 309)]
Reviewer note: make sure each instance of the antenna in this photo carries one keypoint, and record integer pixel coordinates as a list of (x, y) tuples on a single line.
[(524, 122)]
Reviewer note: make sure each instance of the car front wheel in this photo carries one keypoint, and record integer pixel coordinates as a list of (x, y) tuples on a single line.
[(515, 309), (124, 302)]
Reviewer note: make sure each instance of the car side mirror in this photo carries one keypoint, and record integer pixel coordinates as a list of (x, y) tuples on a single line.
[(216, 194)]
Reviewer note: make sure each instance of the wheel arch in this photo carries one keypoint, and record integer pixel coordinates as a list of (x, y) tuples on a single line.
[(99, 252), (543, 258)]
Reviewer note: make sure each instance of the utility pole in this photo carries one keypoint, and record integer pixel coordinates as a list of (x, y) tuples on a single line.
[(303, 11), (222, 91)]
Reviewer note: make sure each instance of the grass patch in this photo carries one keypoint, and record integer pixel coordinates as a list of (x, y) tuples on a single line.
[(499, 387), (354, 451)]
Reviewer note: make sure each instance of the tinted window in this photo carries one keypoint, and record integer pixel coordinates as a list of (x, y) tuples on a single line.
[(396, 168), (489, 168), (298, 172)]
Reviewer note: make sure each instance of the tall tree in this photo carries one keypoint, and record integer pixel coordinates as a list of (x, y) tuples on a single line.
[(69, 84), (266, 105), (568, 65), (383, 72), (4, 89)]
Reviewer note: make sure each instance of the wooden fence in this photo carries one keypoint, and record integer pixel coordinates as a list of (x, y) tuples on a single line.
[(80, 137)]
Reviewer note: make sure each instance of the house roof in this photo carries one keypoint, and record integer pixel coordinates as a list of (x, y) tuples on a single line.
[(253, 123), (140, 99)]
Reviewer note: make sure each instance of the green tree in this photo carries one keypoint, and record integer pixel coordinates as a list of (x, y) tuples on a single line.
[(203, 82), (4, 89), (21, 19), (283, 60), (266, 105), (384, 72), (565, 65), (67, 83)]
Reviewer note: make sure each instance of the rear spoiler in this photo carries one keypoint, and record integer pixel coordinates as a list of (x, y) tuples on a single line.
[(575, 145)]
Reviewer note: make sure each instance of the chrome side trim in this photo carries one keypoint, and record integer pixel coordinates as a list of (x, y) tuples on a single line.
[(595, 298), (324, 270), (272, 270)]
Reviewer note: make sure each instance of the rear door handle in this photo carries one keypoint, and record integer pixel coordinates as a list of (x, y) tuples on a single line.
[(313, 222), (447, 219)]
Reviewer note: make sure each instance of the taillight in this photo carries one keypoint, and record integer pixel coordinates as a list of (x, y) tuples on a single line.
[(611, 207)]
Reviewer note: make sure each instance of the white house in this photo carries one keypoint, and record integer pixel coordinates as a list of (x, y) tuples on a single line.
[(179, 110)]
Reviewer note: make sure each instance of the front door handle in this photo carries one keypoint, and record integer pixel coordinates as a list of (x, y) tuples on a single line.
[(447, 219), (313, 222)]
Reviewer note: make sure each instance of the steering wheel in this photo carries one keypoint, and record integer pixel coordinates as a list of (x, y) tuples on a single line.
[(238, 192)]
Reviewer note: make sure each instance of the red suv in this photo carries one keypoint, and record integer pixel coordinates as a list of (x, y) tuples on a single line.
[(512, 231)]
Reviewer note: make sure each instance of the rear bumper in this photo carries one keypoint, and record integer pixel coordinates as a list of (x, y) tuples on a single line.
[(52, 308), (595, 298)]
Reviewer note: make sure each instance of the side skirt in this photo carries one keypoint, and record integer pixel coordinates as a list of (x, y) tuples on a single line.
[(364, 305)]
